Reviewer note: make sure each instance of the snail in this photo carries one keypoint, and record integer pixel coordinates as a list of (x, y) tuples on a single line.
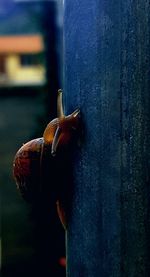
[(34, 159)]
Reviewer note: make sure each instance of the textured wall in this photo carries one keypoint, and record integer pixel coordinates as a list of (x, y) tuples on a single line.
[(106, 74)]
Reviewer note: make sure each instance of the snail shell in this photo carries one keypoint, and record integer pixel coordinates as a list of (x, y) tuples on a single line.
[(27, 168)]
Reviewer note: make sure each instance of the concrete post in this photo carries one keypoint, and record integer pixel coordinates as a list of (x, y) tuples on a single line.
[(106, 75)]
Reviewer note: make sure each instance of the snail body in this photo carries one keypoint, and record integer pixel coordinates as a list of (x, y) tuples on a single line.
[(35, 160), (59, 131)]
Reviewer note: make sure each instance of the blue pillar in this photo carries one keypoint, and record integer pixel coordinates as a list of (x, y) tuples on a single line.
[(107, 75)]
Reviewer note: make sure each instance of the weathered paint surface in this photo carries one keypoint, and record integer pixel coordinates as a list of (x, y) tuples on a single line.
[(107, 75)]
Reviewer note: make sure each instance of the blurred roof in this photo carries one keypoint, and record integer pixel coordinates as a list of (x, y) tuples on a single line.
[(21, 44)]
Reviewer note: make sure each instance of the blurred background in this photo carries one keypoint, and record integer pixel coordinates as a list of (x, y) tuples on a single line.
[(31, 41)]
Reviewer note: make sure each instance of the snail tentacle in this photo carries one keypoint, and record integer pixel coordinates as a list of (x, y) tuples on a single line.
[(60, 110), (55, 141)]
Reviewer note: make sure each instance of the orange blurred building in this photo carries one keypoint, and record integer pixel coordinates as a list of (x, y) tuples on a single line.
[(22, 60)]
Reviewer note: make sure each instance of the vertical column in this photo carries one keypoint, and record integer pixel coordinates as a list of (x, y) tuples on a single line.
[(106, 75)]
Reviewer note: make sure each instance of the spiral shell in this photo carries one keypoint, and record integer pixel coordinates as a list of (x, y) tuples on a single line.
[(27, 168)]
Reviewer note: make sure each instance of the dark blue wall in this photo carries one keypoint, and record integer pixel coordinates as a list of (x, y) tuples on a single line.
[(106, 74)]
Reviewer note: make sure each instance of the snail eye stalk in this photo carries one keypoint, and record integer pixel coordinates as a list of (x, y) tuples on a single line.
[(60, 110)]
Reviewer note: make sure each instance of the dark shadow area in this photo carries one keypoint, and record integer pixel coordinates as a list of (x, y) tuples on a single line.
[(32, 238)]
